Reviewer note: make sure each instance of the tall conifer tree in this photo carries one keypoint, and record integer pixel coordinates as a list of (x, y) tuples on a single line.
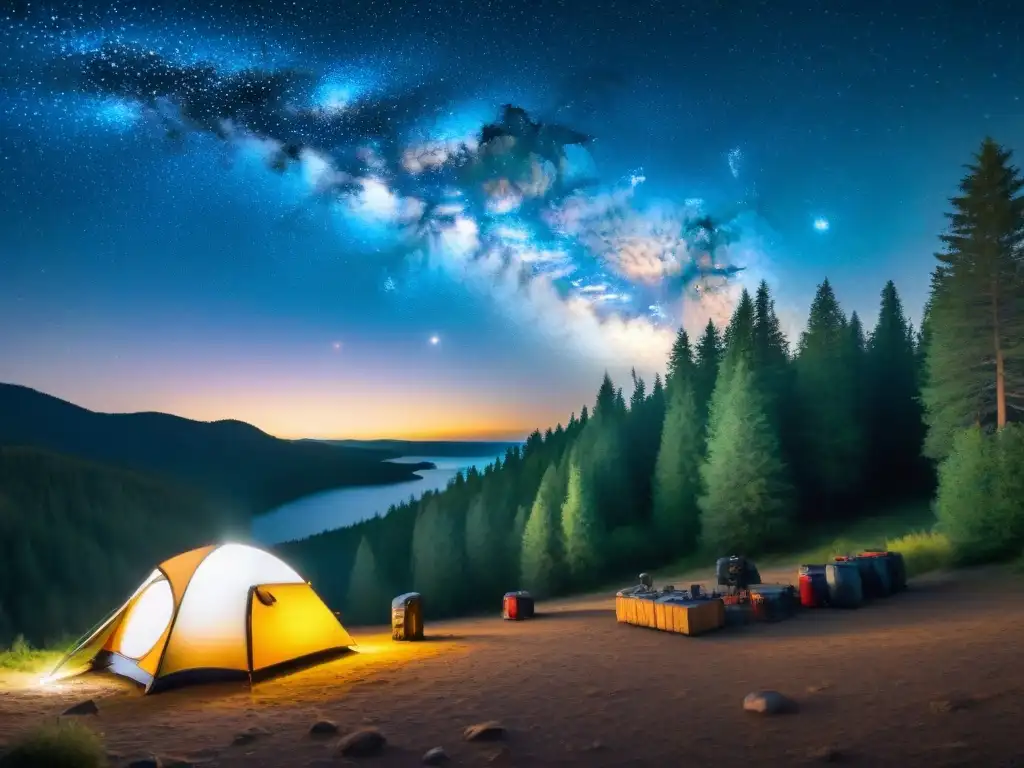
[(975, 352), (746, 504), (831, 434)]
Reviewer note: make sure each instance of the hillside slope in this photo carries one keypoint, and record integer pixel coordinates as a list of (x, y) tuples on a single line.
[(230, 459), (77, 537)]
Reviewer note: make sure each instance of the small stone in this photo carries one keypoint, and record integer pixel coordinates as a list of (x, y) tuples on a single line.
[(87, 707), (943, 706), (825, 754), (249, 735), (769, 703), (435, 756), (499, 756), (362, 743), (323, 728), (489, 731)]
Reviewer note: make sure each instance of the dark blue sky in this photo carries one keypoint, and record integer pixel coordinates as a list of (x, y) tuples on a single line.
[(144, 266)]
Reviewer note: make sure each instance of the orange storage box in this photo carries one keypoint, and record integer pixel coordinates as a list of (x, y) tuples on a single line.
[(671, 614)]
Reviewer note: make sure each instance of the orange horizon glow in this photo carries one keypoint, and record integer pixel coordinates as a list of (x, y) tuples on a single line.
[(313, 413)]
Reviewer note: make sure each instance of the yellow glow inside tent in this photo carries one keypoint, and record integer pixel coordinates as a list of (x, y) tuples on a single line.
[(147, 619)]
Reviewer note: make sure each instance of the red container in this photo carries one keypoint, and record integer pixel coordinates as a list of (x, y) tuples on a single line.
[(808, 599), (517, 606)]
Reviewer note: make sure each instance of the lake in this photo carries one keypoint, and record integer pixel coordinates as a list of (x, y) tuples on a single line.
[(345, 506)]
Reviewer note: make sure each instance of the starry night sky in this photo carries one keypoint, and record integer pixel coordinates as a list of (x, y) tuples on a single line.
[(270, 210)]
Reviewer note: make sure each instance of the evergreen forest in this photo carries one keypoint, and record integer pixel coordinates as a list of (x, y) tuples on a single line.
[(750, 439)]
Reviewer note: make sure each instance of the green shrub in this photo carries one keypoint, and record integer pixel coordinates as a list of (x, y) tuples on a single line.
[(923, 552), (57, 745), (978, 502)]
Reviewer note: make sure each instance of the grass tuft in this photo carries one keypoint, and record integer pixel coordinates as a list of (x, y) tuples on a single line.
[(57, 745), (21, 657)]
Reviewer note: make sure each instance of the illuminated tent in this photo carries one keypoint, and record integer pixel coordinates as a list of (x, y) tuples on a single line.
[(216, 612)]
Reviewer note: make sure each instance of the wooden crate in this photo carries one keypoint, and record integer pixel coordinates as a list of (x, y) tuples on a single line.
[(689, 618)]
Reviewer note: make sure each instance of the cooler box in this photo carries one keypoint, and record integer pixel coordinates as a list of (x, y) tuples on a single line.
[(896, 565), (407, 617), (813, 586), (516, 606), (671, 614), (844, 585), (874, 576), (772, 602)]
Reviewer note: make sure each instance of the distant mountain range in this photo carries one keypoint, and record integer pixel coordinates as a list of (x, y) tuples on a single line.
[(228, 459), (438, 448)]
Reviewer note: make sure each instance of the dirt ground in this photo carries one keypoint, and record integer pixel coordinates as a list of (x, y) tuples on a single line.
[(930, 677)]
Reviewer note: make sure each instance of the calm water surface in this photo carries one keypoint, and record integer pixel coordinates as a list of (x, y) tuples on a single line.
[(344, 506)]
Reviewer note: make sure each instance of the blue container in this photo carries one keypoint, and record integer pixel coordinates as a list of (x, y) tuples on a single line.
[(845, 589)]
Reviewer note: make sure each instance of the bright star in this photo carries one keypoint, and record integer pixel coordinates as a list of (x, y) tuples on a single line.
[(337, 346), (821, 224), (435, 340)]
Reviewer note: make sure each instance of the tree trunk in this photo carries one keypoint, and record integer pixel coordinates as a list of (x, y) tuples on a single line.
[(1000, 372)]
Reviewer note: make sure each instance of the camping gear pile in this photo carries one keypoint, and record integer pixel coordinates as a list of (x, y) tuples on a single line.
[(848, 581), (517, 606), (740, 597), (407, 617), (746, 598), (685, 612)]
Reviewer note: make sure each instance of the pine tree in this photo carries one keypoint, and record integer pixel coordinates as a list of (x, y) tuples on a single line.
[(437, 563), (708, 357), (739, 334), (541, 555), (680, 358), (641, 431), (892, 416), (580, 529), (747, 496), (770, 348), (831, 434), (975, 353), (483, 546), (366, 596), (606, 397), (657, 401), (677, 474)]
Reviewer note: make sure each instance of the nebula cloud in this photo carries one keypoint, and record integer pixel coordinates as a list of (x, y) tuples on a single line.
[(514, 207)]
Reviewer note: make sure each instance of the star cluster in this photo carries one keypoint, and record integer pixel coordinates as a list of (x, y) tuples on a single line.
[(352, 168), (511, 204)]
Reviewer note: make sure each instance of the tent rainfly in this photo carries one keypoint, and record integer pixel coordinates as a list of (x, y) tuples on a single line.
[(219, 612)]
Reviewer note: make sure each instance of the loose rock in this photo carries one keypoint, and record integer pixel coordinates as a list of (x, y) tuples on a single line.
[(942, 706), (490, 731), (825, 754), (499, 756), (323, 728), (769, 703), (87, 707), (362, 743), (249, 735), (435, 756), (154, 761)]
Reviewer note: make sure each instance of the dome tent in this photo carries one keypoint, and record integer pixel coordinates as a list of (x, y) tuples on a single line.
[(211, 613)]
